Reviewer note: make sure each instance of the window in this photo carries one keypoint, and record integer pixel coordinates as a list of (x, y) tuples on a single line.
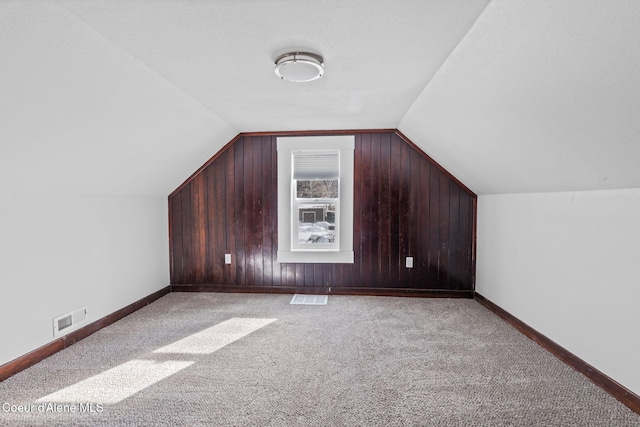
[(315, 199)]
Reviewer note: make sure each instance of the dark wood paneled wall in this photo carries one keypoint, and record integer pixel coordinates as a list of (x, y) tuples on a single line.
[(405, 205)]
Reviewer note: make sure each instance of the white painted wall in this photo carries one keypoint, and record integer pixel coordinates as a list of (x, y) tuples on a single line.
[(568, 265), (60, 252)]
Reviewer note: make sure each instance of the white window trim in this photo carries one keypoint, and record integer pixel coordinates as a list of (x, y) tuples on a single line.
[(286, 145)]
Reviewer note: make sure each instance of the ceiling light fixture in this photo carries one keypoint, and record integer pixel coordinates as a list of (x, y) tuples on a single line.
[(299, 66)]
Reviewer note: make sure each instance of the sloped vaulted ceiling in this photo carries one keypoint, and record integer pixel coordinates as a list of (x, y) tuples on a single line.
[(113, 96), (79, 114), (540, 96)]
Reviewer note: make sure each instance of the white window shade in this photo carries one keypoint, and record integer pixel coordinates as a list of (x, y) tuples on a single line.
[(316, 164)]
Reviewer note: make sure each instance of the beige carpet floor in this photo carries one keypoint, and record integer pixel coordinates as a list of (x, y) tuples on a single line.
[(207, 359)]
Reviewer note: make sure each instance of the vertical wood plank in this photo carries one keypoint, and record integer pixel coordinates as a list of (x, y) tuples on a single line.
[(419, 278), (435, 234), (212, 224), (374, 212), (177, 251), (454, 224), (385, 208), (249, 217), (265, 256), (272, 270), (217, 214), (199, 250), (395, 208), (426, 258), (308, 275), (240, 178), (365, 197), (257, 222), (299, 274), (443, 255), (188, 235), (318, 275), (404, 223), (464, 243), (230, 216)]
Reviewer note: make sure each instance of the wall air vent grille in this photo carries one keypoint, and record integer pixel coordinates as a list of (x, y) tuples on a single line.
[(69, 321)]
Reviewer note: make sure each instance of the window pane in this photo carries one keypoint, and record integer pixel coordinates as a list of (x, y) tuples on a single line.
[(317, 188), (317, 224)]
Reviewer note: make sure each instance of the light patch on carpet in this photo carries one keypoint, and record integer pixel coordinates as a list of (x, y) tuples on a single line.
[(309, 299), (117, 384), (127, 379), (215, 337)]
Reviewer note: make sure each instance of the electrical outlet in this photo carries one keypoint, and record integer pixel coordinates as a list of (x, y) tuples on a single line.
[(409, 262), (227, 258)]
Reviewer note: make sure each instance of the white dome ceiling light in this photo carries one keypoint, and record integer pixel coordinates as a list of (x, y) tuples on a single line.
[(299, 66)]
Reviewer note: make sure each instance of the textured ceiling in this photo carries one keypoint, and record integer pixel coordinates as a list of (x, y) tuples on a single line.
[(130, 97)]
